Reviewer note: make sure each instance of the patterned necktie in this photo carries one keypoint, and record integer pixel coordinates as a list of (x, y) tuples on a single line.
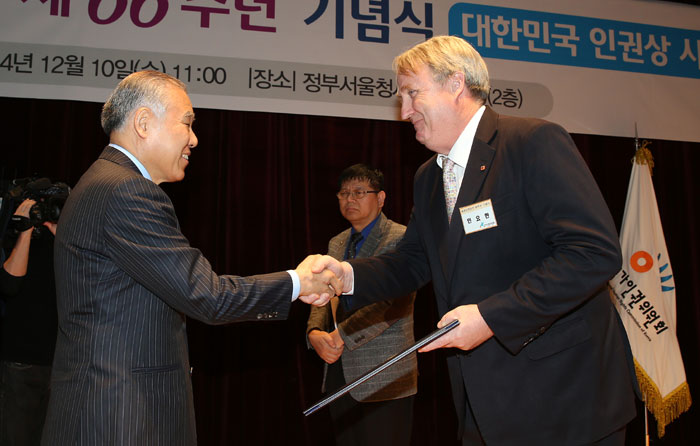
[(449, 182), (352, 247)]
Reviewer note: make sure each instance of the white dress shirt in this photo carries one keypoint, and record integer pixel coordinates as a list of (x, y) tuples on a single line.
[(459, 153)]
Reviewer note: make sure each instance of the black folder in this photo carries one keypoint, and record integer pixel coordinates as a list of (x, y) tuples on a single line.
[(386, 364)]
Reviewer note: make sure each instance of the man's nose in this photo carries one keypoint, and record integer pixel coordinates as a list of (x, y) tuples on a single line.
[(406, 110)]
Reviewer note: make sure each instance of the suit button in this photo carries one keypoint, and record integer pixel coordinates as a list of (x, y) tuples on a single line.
[(542, 330)]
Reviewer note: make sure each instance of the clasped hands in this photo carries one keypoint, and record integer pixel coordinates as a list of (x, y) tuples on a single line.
[(321, 277), (329, 346)]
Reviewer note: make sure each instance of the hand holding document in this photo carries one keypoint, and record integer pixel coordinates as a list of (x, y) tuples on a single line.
[(472, 332)]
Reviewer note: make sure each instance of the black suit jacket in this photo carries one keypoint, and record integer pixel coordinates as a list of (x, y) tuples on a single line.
[(557, 370), (126, 278)]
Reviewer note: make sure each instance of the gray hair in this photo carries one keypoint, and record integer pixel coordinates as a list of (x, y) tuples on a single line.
[(139, 89), (444, 56)]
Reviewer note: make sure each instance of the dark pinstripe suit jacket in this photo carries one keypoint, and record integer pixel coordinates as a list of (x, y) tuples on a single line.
[(126, 278), (375, 332)]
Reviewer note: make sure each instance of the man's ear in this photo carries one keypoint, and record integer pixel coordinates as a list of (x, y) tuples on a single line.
[(142, 121), (457, 82), (381, 196)]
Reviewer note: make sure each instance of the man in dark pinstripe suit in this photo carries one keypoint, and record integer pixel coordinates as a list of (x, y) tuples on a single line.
[(126, 278)]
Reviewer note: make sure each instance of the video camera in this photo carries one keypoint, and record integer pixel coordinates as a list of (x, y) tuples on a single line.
[(50, 198)]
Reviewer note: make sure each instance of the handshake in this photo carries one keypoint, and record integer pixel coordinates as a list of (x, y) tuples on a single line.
[(322, 277)]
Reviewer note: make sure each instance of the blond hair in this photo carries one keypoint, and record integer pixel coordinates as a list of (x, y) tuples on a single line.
[(444, 56)]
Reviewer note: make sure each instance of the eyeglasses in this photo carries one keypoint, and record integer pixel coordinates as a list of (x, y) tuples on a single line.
[(356, 194)]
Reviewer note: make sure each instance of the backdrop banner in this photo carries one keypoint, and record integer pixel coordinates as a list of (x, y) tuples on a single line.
[(596, 67)]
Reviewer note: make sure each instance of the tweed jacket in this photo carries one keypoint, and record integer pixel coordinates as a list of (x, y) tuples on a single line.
[(376, 332)]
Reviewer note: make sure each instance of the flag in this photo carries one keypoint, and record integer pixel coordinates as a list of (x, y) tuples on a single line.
[(644, 295)]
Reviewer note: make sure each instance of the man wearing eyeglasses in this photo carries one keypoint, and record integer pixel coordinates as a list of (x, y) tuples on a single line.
[(380, 410)]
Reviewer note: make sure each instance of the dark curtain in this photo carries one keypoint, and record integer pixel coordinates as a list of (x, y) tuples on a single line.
[(259, 196)]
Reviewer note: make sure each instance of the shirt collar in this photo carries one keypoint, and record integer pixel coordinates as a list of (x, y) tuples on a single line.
[(367, 229), (133, 159), (463, 146)]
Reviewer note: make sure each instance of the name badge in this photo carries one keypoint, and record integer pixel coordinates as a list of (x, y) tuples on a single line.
[(478, 216)]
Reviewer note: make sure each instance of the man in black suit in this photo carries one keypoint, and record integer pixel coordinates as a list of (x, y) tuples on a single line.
[(511, 228), (126, 278)]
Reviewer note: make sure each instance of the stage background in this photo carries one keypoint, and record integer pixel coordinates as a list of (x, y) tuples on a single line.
[(260, 194)]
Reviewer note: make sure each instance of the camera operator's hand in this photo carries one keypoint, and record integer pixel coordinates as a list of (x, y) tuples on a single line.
[(51, 226), (23, 211), (16, 263)]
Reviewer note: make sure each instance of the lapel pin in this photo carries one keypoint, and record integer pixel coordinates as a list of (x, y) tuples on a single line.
[(482, 168)]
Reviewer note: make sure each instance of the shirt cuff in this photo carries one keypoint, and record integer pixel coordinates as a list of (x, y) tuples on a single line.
[(348, 297), (352, 287), (296, 284)]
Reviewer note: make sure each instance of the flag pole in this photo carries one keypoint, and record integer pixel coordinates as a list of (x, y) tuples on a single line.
[(646, 412), (646, 423)]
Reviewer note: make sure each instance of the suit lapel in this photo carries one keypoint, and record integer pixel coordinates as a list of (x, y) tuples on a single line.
[(375, 236), (478, 168), (437, 210), (337, 249)]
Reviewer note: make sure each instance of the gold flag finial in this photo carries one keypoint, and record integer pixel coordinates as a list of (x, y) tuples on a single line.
[(642, 155)]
